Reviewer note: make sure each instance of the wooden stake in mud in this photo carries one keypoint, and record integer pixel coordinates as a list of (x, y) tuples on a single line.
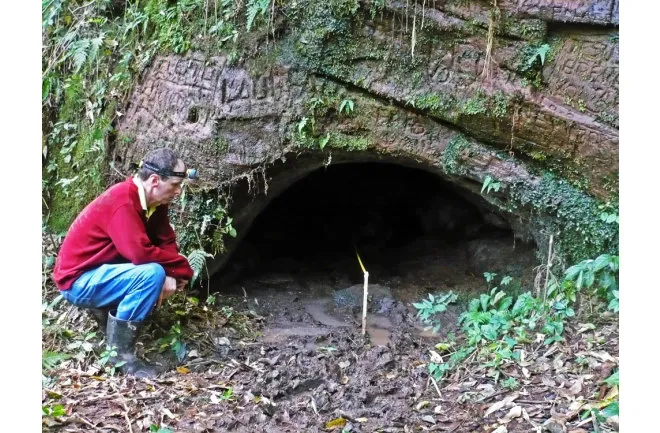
[(365, 295)]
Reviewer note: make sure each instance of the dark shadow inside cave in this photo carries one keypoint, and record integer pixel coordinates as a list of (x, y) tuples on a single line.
[(409, 227)]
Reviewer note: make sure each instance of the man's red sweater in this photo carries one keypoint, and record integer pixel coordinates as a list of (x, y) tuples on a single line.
[(114, 229)]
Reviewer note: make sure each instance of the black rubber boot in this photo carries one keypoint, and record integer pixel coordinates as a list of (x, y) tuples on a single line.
[(121, 335), (100, 315)]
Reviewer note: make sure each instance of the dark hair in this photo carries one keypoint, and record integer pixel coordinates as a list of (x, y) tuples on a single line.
[(161, 158)]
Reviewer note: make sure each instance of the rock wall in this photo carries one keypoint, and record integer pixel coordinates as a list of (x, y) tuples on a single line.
[(539, 102)]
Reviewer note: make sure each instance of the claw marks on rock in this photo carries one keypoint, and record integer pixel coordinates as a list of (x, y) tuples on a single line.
[(191, 99), (585, 73), (573, 11)]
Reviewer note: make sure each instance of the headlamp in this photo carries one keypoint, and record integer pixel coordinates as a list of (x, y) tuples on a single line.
[(190, 173)]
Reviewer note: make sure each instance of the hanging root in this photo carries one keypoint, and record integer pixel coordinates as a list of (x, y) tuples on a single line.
[(492, 17)]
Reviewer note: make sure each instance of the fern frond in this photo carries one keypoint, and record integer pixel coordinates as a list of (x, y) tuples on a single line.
[(94, 47), (197, 260), (253, 10), (80, 53), (254, 7)]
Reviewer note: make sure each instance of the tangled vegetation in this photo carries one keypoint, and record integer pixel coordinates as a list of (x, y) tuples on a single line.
[(93, 53), (498, 327)]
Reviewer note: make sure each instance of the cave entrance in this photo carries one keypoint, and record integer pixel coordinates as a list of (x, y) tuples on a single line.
[(415, 232)]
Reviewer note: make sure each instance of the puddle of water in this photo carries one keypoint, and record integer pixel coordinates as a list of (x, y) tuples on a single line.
[(308, 308), (317, 311)]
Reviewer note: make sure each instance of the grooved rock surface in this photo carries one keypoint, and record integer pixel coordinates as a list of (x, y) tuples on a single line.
[(542, 97)]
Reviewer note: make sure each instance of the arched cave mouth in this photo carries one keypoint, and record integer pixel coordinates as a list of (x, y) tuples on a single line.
[(414, 231)]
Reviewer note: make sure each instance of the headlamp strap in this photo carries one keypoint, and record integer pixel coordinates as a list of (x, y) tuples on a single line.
[(191, 173)]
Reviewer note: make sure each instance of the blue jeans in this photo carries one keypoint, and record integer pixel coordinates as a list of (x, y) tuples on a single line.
[(132, 290)]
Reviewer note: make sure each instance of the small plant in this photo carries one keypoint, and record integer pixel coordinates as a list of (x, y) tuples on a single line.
[(510, 383), (533, 60), (346, 106), (301, 126), (197, 260), (324, 141), (428, 309), (600, 275), (255, 7), (173, 341), (82, 346), (53, 411), (156, 429), (50, 360), (104, 361), (227, 311), (538, 54), (609, 218), (490, 184)]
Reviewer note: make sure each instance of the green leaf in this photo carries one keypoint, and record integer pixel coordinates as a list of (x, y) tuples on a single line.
[(542, 51), (487, 182), (324, 141), (80, 52), (573, 272), (589, 278), (611, 410), (613, 305), (301, 124), (601, 262), (580, 280), (613, 379), (484, 301)]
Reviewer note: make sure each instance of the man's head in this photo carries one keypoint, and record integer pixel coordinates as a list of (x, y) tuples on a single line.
[(159, 187)]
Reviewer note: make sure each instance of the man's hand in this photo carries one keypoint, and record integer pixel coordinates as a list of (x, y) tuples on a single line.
[(180, 284), (169, 287)]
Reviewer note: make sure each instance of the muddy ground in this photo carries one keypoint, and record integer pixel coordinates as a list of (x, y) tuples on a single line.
[(281, 350)]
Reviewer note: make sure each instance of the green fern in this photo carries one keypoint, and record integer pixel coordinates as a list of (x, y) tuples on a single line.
[(50, 360), (253, 8), (79, 52), (94, 47), (197, 260)]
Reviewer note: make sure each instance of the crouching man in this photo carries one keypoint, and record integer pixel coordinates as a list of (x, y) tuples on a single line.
[(120, 257)]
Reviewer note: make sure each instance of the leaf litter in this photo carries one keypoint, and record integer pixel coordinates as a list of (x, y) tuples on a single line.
[(231, 380)]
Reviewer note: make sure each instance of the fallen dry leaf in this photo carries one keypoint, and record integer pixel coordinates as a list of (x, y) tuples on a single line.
[(603, 356), (337, 422), (515, 412), (501, 404), (576, 388), (429, 419)]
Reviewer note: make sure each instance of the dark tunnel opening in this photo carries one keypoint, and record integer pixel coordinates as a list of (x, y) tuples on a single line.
[(402, 221)]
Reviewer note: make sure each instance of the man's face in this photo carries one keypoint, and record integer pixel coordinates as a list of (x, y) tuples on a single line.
[(165, 190)]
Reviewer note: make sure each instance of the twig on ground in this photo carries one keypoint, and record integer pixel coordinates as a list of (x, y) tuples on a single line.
[(123, 402), (535, 402), (595, 424), (201, 362), (488, 397), (435, 384), (81, 419)]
